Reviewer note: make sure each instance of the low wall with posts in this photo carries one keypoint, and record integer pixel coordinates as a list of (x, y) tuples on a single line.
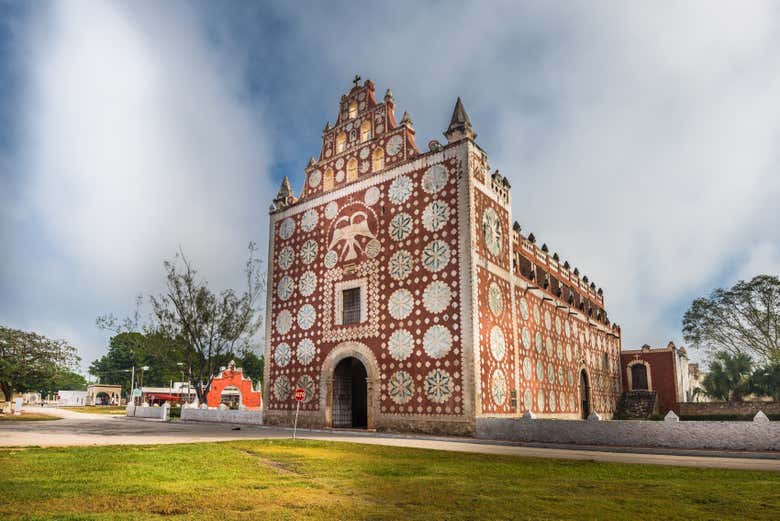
[(222, 416), (720, 435), (728, 408), (151, 413)]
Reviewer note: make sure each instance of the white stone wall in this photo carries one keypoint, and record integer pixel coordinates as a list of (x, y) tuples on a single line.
[(736, 435), (222, 416), (153, 413)]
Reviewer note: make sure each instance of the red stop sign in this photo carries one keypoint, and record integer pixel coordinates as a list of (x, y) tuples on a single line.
[(300, 394)]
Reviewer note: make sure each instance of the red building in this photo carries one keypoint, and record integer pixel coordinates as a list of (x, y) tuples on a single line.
[(401, 296), (662, 370)]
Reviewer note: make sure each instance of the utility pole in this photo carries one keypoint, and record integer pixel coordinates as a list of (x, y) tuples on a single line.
[(132, 384)]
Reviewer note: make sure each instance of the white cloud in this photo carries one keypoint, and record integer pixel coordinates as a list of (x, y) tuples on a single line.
[(137, 140), (640, 140)]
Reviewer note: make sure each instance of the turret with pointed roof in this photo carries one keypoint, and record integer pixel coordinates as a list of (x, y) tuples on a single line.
[(460, 125), (285, 195)]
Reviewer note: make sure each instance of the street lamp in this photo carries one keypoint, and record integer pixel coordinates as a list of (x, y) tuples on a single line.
[(143, 368), (132, 382)]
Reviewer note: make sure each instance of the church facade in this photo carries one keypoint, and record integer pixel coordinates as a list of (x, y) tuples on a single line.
[(402, 297)]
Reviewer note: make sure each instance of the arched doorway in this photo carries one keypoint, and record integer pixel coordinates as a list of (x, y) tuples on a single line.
[(639, 377), (584, 395), (102, 398), (230, 396), (350, 394)]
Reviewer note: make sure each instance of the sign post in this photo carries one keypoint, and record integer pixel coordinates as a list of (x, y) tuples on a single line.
[(137, 393), (300, 394)]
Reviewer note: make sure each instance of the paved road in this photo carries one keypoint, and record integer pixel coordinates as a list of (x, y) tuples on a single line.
[(95, 429)]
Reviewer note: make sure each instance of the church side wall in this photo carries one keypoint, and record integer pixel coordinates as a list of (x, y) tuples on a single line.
[(531, 346), (554, 347)]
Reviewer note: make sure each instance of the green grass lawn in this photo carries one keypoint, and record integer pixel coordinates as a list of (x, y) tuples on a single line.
[(98, 409), (282, 479), (27, 417)]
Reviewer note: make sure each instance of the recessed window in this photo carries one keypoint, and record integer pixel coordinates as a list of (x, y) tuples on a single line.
[(639, 377), (365, 131), (378, 160), (353, 107), (341, 143), (327, 180), (352, 167), (351, 306)]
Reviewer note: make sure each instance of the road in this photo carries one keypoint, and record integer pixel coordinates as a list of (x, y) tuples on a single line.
[(79, 429)]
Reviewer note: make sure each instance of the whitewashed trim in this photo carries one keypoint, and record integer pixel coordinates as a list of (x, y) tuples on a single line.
[(471, 263), (467, 284), (268, 312), (629, 377), (421, 161), (338, 296)]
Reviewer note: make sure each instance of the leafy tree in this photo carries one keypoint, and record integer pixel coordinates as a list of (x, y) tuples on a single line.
[(64, 380), (743, 319), (214, 327), (729, 376), (765, 381), (31, 362), (252, 366), (129, 349)]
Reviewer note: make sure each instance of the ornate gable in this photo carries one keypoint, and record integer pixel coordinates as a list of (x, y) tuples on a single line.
[(364, 140)]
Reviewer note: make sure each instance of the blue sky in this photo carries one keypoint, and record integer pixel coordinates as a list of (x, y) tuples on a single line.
[(640, 140)]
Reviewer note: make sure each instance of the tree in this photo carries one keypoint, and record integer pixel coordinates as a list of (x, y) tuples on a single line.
[(30, 362), (252, 366), (743, 319), (214, 327), (64, 380), (765, 381), (129, 349), (729, 376)]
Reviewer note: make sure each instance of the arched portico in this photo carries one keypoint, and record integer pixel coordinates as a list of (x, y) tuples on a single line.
[(341, 352), (233, 377)]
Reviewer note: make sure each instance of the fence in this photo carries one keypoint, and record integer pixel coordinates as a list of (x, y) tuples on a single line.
[(152, 413), (713, 409), (722, 435), (222, 416)]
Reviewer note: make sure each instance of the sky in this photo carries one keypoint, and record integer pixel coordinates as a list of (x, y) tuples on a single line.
[(639, 138)]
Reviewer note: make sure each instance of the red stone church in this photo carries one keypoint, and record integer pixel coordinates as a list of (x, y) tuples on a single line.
[(402, 297)]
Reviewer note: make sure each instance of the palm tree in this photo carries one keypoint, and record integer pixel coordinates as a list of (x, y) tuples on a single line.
[(729, 376), (766, 381)]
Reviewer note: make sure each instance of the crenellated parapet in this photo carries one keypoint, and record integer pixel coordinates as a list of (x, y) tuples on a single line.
[(545, 271)]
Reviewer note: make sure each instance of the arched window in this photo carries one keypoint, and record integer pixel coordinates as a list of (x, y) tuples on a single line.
[(639, 380), (377, 160), (584, 395), (352, 166), (365, 131), (353, 110), (327, 180)]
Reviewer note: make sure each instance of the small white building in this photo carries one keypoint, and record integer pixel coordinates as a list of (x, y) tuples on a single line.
[(71, 398)]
